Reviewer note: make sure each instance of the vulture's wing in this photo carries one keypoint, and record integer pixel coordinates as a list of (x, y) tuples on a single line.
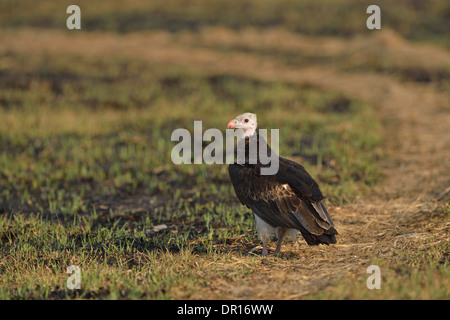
[(299, 179), (304, 186), (279, 204)]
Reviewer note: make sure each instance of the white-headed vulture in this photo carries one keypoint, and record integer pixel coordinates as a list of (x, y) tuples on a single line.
[(286, 203)]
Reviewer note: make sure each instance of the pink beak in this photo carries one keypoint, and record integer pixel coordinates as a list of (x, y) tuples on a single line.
[(231, 124)]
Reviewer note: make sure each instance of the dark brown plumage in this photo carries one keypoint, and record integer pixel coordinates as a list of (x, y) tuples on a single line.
[(289, 199)]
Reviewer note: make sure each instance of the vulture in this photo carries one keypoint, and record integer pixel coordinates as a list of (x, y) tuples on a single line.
[(284, 204)]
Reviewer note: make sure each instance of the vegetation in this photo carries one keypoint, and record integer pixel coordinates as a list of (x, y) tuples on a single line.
[(424, 21), (86, 177)]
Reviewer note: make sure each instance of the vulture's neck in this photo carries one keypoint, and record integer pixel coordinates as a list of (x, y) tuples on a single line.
[(249, 133), (252, 145)]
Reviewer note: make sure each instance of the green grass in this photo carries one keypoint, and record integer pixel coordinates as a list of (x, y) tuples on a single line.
[(80, 141), (116, 261), (105, 133), (423, 21), (86, 176)]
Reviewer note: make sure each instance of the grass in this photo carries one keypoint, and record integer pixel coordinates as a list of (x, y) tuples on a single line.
[(115, 261), (403, 277), (86, 177), (79, 141), (417, 21), (118, 143)]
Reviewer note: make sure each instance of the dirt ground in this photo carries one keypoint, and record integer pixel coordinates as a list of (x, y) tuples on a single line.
[(402, 215), (396, 216)]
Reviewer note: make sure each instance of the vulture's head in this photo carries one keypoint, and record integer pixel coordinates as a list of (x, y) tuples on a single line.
[(246, 121)]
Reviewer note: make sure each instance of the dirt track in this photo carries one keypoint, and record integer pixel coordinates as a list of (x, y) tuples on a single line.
[(395, 217)]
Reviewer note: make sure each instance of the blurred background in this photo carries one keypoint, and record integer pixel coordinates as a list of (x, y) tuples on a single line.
[(117, 88), (414, 20)]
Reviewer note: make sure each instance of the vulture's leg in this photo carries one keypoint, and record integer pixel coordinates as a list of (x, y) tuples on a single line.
[(281, 234), (265, 250), (264, 230), (277, 250)]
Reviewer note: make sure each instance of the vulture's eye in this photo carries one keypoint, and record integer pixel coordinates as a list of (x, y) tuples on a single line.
[(246, 120)]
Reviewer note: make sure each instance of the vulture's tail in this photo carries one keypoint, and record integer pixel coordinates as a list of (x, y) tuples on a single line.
[(328, 235), (327, 238)]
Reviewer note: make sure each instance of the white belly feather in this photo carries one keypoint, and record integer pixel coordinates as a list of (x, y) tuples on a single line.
[(266, 231)]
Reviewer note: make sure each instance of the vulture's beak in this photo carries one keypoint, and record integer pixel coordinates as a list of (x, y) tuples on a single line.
[(231, 124)]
